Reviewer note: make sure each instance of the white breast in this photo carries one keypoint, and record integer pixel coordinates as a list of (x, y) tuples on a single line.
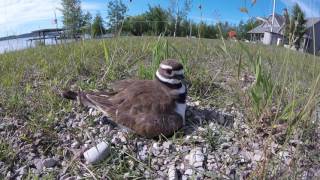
[(181, 110)]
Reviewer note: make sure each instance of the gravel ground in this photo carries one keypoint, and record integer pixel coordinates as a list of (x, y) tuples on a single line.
[(216, 143)]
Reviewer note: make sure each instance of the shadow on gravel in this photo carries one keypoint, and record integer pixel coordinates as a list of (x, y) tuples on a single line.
[(197, 117)]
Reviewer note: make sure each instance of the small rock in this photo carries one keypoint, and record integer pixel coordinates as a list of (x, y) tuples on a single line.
[(225, 119), (143, 153), (234, 150), (38, 135), (122, 137), (2, 127), (167, 145), (184, 177), (93, 112), (38, 163), (199, 156), (49, 162), (257, 155), (22, 171), (225, 145), (147, 174), (75, 145), (197, 164), (188, 172), (156, 149), (182, 166), (115, 140), (64, 177), (195, 156), (172, 173)]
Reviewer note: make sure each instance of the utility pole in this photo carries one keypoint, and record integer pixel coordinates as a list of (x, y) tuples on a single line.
[(273, 9), (176, 23), (190, 29)]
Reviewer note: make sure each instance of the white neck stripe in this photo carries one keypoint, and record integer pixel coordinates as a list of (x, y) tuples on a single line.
[(163, 66), (170, 81)]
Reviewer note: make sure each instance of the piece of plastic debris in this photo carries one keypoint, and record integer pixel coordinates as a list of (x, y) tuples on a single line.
[(96, 153)]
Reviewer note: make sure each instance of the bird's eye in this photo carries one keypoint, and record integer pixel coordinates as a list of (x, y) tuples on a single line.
[(169, 71)]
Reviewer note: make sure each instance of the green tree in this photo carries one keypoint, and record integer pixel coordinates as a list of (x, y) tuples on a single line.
[(244, 27), (158, 18), (178, 13), (97, 26), (86, 22), (295, 27), (116, 14), (136, 25), (72, 16)]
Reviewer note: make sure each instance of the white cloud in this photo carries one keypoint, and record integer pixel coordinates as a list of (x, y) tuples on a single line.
[(21, 16), (310, 7), (14, 14)]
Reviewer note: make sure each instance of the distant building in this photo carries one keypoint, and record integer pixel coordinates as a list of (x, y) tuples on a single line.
[(262, 33), (257, 33)]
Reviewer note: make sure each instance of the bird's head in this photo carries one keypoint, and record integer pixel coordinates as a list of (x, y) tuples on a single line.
[(170, 71)]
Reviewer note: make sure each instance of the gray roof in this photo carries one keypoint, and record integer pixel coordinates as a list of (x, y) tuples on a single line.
[(277, 27), (311, 21), (279, 23), (262, 29)]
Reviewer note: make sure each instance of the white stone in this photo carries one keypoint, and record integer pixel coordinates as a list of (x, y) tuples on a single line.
[(172, 173), (75, 145), (188, 172)]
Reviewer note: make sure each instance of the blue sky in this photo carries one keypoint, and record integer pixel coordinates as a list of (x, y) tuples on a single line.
[(22, 16)]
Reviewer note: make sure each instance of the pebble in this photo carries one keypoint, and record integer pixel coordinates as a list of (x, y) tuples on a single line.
[(122, 137), (22, 170), (49, 162), (75, 145), (188, 172), (172, 173), (198, 164), (38, 163), (167, 145), (234, 150), (143, 153), (225, 145), (156, 149)]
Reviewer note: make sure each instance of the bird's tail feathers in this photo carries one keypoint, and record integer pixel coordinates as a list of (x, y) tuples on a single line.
[(97, 100), (71, 95)]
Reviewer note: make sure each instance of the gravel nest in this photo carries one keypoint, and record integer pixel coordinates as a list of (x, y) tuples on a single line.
[(216, 143)]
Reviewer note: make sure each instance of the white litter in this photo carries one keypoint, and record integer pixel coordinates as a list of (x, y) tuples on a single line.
[(96, 153)]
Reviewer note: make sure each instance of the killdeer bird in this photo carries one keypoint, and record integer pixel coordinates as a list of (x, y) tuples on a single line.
[(147, 107)]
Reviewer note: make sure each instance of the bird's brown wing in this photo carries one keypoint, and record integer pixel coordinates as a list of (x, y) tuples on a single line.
[(118, 86), (147, 109), (99, 102), (142, 107)]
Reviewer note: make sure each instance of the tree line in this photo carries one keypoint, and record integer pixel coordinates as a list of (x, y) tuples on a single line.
[(157, 20)]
